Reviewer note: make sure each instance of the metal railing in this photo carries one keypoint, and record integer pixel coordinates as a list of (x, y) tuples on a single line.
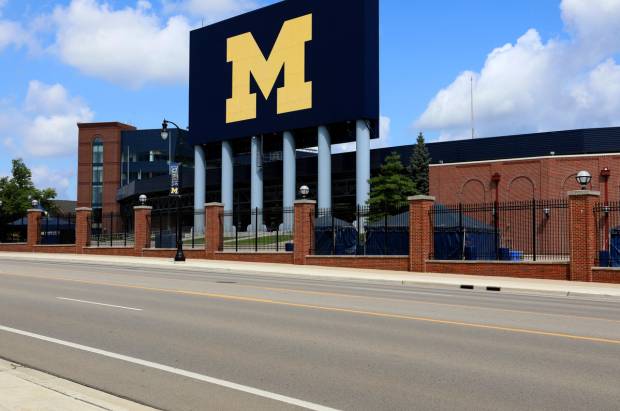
[(535, 230), (607, 222), (164, 227), (16, 231), (58, 229), (363, 230), (258, 230), (111, 230)]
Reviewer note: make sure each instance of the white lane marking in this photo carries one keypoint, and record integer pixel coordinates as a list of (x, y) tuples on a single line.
[(172, 370), (94, 303)]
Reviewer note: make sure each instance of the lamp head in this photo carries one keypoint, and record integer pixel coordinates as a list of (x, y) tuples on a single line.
[(164, 130), (304, 191), (583, 179), (142, 199), (35, 203)]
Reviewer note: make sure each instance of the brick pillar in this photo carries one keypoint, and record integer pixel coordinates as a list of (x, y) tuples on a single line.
[(214, 230), (303, 232), (420, 232), (82, 228), (34, 227), (582, 233), (142, 228)]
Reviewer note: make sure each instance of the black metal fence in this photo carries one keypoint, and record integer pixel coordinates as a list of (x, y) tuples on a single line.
[(607, 219), (111, 230), (16, 231), (58, 229), (165, 223), (510, 231), (258, 230), (363, 230)]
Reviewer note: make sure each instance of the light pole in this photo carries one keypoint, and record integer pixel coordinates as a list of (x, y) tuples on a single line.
[(174, 191)]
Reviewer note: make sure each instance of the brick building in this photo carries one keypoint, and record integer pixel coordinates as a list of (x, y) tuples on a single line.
[(117, 163)]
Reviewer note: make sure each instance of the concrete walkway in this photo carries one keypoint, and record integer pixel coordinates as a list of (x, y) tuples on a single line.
[(530, 286), (23, 388)]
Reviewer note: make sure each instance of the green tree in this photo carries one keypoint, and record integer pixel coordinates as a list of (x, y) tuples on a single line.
[(17, 192), (390, 188), (418, 168)]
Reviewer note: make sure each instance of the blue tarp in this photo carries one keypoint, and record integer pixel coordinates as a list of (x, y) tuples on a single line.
[(326, 230), (388, 236), (614, 248), (449, 233)]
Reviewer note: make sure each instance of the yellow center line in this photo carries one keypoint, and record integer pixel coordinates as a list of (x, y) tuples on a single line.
[(471, 307), (335, 309)]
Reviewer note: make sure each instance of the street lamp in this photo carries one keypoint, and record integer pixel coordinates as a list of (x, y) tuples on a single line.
[(142, 199), (165, 134), (35, 203), (304, 191), (583, 179)]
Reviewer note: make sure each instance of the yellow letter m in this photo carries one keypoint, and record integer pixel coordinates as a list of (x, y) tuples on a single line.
[(288, 54)]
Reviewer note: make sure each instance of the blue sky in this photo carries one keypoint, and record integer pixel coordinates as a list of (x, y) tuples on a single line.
[(536, 65)]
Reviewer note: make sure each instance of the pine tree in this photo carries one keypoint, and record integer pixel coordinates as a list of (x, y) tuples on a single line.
[(390, 188), (418, 168)]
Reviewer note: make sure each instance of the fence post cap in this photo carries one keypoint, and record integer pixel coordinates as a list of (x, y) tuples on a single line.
[(142, 207), (421, 198), (214, 204), (83, 209), (35, 210), (305, 202), (581, 193)]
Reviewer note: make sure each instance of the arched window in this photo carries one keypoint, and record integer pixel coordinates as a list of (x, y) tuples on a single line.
[(97, 188)]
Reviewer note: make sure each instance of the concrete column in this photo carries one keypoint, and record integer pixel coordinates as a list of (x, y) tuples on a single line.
[(420, 232), (227, 183), (200, 187), (304, 230), (325, 169), (362, 163), (142, 228), (214, 237), (34, 227), (256, 180), (582, 233), (289, 178)]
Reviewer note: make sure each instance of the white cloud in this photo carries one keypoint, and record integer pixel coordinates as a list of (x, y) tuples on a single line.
[(129, 46), (45, 125), (61, 180), (537, 86), (210, 10), (13, 34)]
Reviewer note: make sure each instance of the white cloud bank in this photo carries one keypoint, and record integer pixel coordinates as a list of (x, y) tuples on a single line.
[(210, 10), (131, 46), (536, 86), (45, 124)]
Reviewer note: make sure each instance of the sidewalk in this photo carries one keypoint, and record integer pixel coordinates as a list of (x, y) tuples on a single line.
[(23, 388), (518, 285)]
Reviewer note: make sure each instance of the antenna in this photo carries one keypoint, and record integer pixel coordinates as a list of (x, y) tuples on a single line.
[(473, 130)]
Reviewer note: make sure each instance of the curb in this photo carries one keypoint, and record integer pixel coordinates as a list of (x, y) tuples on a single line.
[(476, 285)]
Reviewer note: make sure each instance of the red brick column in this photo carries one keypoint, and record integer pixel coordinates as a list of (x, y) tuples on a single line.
[(82, 228), (142, 228), (420, 232), (582, 233), (34, 227), (214, 230), (303, 232)]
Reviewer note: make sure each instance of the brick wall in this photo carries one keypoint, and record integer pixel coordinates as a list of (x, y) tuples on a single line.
[(542, 178), (395, 263), (274, 258), (548, 271), (606, 275)]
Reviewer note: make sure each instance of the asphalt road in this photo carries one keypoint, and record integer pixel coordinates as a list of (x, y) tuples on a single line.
[(207, 341)]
